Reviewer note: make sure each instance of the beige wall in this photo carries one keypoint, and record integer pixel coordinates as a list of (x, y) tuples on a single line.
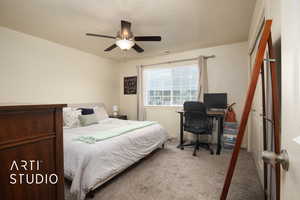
[(226, 73), (33, 70), (270, 9)]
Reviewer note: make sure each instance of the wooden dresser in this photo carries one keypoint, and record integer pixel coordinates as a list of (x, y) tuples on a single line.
[(31, 152)]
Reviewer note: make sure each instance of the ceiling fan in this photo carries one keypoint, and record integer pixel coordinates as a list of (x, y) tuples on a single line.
[(125, 39)]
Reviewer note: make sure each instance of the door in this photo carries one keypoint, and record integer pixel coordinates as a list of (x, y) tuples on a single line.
[(290, 187), (256, 139)]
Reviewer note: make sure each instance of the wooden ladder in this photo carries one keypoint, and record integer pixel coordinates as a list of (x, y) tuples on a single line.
[(265, 40)]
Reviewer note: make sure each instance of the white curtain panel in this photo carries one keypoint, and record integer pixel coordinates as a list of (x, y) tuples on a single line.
[(203, 78), (140, 96)]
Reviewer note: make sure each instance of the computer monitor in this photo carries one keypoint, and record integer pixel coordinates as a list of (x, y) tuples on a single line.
[(215, 100)]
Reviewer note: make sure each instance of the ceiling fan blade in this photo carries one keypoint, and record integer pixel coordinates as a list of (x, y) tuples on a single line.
[(111, 47), (125, 26), (97, 35), (147, 38), (138, 48)]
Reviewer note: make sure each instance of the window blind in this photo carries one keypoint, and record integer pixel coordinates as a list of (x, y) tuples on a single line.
[(170, 85)]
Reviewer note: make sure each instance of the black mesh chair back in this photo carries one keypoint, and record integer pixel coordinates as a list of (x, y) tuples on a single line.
[(196, 120)]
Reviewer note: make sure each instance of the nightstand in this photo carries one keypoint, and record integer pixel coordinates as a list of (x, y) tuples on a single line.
[(124, 117)]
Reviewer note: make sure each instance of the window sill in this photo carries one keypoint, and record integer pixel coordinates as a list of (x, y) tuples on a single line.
[(163, 107)]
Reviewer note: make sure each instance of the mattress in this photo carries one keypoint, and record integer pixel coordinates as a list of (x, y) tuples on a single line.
[(87, 165)]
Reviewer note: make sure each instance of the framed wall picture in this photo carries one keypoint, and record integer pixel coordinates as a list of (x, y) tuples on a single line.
[(130, 85)]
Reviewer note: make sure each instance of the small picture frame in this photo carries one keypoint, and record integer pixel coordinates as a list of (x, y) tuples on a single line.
[(130, 85)]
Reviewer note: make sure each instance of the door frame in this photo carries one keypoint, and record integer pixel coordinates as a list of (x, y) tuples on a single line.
[(253, 42)]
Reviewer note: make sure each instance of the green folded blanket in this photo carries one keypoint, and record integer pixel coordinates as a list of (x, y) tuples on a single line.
[(106, 134)]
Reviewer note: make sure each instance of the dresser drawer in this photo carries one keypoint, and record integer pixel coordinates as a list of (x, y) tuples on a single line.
[(23, 124), (31, 152), (41, 154)]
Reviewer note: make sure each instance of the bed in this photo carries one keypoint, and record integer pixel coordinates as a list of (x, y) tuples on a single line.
[(88, 166)]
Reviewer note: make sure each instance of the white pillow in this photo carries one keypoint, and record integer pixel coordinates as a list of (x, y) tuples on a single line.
[(70, 117), (66, 111), (100, 113)]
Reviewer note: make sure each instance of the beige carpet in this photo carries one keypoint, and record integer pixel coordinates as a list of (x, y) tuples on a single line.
[(173, 174)]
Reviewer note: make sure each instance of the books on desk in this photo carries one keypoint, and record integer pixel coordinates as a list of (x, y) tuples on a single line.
[(230, 132)]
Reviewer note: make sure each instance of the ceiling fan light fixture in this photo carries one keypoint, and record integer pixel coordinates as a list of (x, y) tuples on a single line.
[(125, 44), (125, 39)]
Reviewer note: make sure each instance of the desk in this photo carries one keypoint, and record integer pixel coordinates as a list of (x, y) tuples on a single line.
[(218, 115)]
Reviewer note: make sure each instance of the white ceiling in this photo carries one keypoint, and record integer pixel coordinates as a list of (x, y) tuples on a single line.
[(183, 24)]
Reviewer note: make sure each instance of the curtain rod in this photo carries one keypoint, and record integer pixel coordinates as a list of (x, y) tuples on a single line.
[(175, 61)]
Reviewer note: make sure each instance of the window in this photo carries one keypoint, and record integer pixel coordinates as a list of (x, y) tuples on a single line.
[(170, 86)]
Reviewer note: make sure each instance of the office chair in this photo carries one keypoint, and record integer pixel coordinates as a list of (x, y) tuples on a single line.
[(197, 123)]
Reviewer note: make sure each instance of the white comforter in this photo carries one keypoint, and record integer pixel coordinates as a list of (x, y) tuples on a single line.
[(88, 164)]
